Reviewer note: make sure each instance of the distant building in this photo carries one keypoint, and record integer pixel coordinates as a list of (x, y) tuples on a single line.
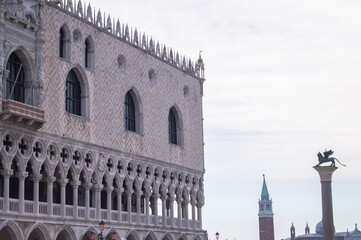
[(265, 214), (354, 235)]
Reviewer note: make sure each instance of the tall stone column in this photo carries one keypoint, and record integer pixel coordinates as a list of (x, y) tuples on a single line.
[(50, 182), (155, 197), (97, 190), (75, 185), (147, 196), (119, 192), (129, 204), (63, 183), (327, 211), (6, 174), (138, 194), (109, 202), (21, 176), (179, 202), (36, 179), (171, 200), (164, 203), (193, 204), (87, 187)]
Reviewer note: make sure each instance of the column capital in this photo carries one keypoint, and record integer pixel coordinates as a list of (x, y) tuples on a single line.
[(109, 189), (179, 200), (119, 190), (63, 182), (129, 192), (50, 179), (88, 186), (325, 172), (138, 193), (22, 175), (36, 177), (6, 172), (200, 204), (75, 183), (98, 187), (193, 203)]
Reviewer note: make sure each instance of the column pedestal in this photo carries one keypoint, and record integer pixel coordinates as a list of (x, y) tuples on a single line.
[(327, 211)]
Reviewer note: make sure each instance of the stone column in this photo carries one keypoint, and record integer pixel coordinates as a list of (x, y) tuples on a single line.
[(50, 181), (186, 204), (199, 209), (87, 187), (155, 199), (171, 200), (164, 205), (119, 192), (109, 202), (63, 183), (179, 202), (193, 203), (327, 212), (138, 194), (129, 204), (21, 176), (75, 185), (97, 190), (6, 175), (36, 179), (147, 196)]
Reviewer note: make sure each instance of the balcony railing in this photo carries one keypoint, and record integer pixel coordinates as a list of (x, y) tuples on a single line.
[(21, 112), (43, 209)]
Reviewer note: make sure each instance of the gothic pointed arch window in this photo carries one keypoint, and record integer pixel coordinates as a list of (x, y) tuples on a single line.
[(133, 111), (129, 113), (172, 127), (73, 94), (15, 83), (175, 127), (64, 42), (89, 54)]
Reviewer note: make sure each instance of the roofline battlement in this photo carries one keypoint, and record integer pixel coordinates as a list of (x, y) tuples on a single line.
[(130, 36)]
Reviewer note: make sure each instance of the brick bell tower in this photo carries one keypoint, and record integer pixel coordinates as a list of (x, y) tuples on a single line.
[(265, 214)]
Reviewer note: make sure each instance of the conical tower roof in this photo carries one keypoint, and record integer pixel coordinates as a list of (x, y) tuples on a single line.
[(264, 194)]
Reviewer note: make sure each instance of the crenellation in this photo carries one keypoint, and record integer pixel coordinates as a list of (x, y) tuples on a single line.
[(133, 37)]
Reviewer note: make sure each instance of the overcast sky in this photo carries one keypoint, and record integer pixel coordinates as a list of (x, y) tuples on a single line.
[(283, 81)]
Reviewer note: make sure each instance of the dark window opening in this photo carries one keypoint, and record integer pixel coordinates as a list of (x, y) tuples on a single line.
[(129, 113), (15, 83), (172, 127), (73, 94)]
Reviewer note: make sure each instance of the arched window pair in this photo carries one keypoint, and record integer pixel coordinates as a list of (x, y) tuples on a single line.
[(175, 131), (64, 47)]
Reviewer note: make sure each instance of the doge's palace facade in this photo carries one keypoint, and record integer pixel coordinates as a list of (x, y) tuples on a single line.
[(97, 122)]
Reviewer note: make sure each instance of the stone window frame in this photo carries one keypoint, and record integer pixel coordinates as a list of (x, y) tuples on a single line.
[(89, 53), (84, 91), (138, 107), (28, 66), (65, 42), (179, 126)]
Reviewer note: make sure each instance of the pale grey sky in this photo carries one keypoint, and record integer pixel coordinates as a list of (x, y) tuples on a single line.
[(283, 82)]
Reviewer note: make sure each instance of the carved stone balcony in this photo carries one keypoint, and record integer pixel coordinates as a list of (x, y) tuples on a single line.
[(22, 113)]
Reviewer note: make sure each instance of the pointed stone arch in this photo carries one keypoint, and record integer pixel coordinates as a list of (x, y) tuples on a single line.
[(150, 236), (65, 233), (109, 233), (132, 235), (86, 233), (197, 237), (183, 237), (9, 230), (38, 232), (167, 236)]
